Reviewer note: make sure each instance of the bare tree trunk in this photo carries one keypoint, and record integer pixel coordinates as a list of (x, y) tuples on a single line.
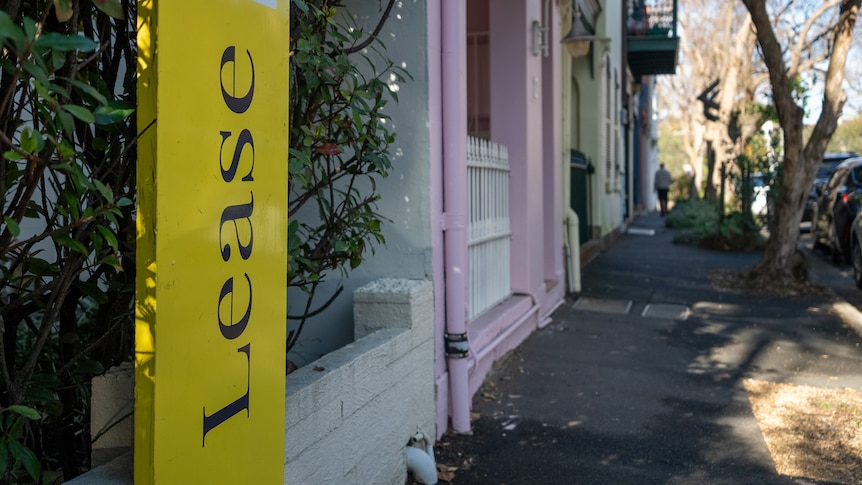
[(733, 74), (709, 192), (800, 163)]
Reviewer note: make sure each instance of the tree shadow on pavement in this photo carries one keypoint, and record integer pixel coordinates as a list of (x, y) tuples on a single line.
[(624, 399)]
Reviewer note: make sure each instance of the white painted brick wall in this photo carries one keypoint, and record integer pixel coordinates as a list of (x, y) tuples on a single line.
[(349, 420), (111, 420), (348, 415)]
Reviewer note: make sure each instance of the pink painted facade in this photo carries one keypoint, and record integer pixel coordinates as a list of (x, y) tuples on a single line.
[(486, 79)]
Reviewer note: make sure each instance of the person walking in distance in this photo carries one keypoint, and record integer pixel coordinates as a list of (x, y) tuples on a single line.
[(662, 183)]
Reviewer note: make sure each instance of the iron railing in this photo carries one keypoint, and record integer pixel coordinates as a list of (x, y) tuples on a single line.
[(652, 18), (488, 231)]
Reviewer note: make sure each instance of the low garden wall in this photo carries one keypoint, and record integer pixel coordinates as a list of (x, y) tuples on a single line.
[(350, 414)]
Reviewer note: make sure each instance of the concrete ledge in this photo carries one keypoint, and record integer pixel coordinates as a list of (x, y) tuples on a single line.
[(118, 471), (390, 303)]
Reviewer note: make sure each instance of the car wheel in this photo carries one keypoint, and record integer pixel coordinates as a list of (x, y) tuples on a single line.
[(857, 264)]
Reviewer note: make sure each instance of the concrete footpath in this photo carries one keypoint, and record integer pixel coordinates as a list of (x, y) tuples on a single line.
[(640, 380)]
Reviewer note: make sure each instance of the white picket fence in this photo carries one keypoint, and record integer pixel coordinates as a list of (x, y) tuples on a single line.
[(488, 229)]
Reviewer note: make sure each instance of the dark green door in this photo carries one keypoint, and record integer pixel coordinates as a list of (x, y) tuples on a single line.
[(581, 168)]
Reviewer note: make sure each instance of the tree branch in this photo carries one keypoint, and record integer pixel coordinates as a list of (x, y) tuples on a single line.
[(375, 32)]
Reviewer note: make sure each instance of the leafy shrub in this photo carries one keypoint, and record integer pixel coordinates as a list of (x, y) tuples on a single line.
[(698, 223), (17, 461), (694, 220), (693, 213), (736, 232), (67, 179), (341, 81), (681, 188)]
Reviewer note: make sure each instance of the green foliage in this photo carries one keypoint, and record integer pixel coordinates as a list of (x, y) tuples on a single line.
[(698, 222), (67, 226), (800, 90), (694, 220), (743, 183), (736, 233), (847, 137), (734, 227), (341, 82), (64, 9), (17, 461), (681, 188), (671, 146), (757, 170)]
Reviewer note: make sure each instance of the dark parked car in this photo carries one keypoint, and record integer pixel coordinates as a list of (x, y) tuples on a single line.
[(836, 206), (830, 162), (856, 249)]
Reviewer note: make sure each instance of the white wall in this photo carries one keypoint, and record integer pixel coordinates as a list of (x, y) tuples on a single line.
[(650, 155), (606, 206), (349, 416), (610, 27)]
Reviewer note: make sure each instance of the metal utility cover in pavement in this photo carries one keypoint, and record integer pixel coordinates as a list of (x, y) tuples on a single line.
[(605, 306), (639, 231), (665, 310)]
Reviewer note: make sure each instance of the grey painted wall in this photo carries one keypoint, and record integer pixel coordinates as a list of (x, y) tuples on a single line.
[(406, 192)]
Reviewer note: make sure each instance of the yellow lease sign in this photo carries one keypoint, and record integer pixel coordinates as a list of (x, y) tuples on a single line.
[(211, 241)]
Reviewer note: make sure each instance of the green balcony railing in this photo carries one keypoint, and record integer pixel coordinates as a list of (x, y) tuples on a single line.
[(653, 44)]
